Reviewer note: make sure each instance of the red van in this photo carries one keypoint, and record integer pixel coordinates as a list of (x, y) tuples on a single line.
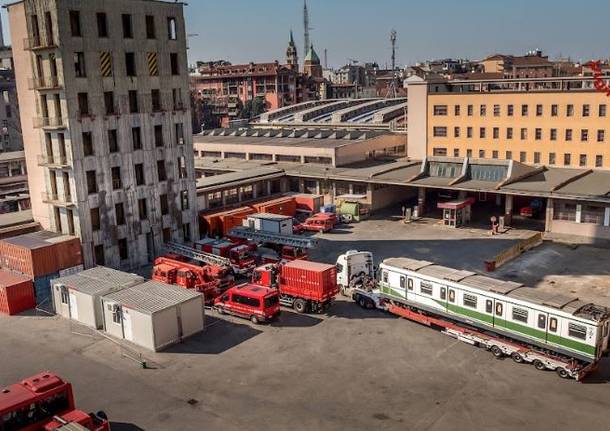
[(251, 301), (322, 222)]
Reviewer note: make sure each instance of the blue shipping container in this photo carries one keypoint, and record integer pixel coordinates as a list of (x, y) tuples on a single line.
[(42, 288), (328, 208)]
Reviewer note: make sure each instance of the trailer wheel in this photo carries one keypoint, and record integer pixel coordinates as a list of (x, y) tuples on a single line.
[(362, 301), (539, 365), (299, 305), (220, 310), (562, 372), (517, 357), (496, 351), (254, 319), (102, 414)]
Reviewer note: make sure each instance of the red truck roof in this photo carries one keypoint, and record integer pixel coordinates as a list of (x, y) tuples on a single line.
[(29, 389), (310, 280), (309, 265), (254, 290)]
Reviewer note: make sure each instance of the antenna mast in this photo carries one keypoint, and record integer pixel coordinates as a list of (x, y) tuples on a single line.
[(306, 27), (393, 42)]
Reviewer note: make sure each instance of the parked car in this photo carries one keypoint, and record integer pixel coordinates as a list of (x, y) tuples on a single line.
[(250, 301)]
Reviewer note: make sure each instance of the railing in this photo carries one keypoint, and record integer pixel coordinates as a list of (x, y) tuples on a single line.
[(44, 83), (51, 122), (52, 160), (55, 198), (33, 43)]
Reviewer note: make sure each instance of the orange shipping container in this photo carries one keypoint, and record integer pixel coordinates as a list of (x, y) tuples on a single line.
[(283, 206), (309, 203), (16, 293)]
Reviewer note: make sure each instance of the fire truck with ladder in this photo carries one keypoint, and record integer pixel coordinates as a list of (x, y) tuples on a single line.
[(275, 247)]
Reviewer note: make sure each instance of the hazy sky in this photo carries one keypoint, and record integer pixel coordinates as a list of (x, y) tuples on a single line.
[(257, 30)]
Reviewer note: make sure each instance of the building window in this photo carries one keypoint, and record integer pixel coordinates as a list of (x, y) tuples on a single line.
[(482, 132), (158, 135), (602, 110), (133, 101), (496, 110), (470, 110), (509, 155), (496, 132), (481, 154), (177, 98), (509, 133), (140, 179), (442, 152), (469, 132), (552, 159), (522, 156), (599, 161), (95, 219), (586, 110), (163, 204), (569, 110), (510, 109), (440, 109), (456, 110), (456, 132), (601, 135), (75, 23), (468, 152), (98, 255), (113, 141), (483, 110), (167, 235), (538, 134), (122, 243), (584, 135), (469, 300), (582, 160), (150, 27), (523, 133), (117, 184), (79, 65), (83, 104), (456, 152), (180, 134), (119, 214), (182, 171), (520, 314), (538, 110), (186, 232), (554, 110), (161, 174), (87, 144), (524, 110), (494, 154), (102, 24), (136, 137), (439, 132), (127, 28), (567, 159), (142, 209), (184, 200), (537, 157), (155, 95), (173, 60), (130, 64), (91, 182), (109, 102), (568, 134), (171, 28), (553, 134)]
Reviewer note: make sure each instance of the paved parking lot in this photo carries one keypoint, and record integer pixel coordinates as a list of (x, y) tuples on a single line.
[(350, 369)]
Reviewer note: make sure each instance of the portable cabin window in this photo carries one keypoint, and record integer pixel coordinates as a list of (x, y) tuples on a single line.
[(64, 295), (116, 316), (451, 295), (577, 331), (410, 284), (402, 282), (443, 293), (425, 288), (519, 314), (553, 324), (470, 300), (542, 321), (489, 306)]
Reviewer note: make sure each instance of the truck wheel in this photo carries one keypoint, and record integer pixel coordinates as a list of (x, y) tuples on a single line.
[(362, 301), (539, 365), (517, 357), (299, 305), (254, 319), (370, 305), (562, 372), (102, 414), (496, 351)]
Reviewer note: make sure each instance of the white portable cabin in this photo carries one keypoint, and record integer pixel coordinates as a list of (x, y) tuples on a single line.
[(153, 315), (274, 223), (78, 296)]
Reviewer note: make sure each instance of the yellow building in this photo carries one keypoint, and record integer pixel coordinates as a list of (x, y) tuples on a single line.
[(547, 121)]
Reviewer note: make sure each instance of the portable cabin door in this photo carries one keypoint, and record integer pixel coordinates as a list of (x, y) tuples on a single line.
[(73, 306), (127, 322)]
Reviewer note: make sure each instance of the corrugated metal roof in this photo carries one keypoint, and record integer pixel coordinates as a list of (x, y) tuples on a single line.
[(407, 263), (490, 284), (445, 273), (269, 216), (113, 276), (152, 296), (99, 280), (540, 297)]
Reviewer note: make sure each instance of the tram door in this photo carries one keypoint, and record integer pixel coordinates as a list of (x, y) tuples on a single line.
[(499, 314), (542, 323)]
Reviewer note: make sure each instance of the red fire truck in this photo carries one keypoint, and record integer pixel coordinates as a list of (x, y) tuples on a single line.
[(239, 253), (44, 402)]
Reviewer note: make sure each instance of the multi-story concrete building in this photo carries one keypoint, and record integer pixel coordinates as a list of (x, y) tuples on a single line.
[(550, 121), (102, 88), (532, 65), (10, 128)]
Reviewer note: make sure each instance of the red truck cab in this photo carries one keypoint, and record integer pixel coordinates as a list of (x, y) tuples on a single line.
[(239, 254), (250, 301), (321, 222)]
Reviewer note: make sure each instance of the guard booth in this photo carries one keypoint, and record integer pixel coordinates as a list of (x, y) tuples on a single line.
[(456, 213)]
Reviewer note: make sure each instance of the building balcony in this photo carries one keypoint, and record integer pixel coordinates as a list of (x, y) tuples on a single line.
[(38, 43), (53, 161), (44, 83), (57, 199), (50, 123)]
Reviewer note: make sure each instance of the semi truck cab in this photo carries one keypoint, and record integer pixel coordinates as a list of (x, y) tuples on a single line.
[(354, 267)]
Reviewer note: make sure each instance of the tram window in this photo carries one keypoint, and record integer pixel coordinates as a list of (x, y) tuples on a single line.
[(451, 295), (577, 331), (542, 321), (553, 324), (498, 308), (425, 288), (410, 284), (489, 306), (443, 293), (385, 276), (519, 314), (470, 300), (402, 282)]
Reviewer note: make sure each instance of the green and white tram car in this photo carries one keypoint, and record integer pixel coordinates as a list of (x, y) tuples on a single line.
[(552, 322)]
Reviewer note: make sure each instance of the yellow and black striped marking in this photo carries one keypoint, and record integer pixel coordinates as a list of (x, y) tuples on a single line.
[(153, 67), (106, 63)]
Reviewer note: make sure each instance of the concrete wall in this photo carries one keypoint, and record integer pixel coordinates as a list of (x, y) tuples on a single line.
[(192, 317), (356, 151), (417, 120), (391, 195)]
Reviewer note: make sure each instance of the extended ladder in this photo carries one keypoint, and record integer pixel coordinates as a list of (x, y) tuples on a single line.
[(274, 238), (197, 255)]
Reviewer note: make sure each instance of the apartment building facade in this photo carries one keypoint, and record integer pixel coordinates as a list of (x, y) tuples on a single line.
[(559, 122), (103, 92)]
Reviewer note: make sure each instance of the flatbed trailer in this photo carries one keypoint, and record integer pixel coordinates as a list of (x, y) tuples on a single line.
[(498, 346)]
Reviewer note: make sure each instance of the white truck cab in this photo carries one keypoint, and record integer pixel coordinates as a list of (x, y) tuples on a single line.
[(352, 264)]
